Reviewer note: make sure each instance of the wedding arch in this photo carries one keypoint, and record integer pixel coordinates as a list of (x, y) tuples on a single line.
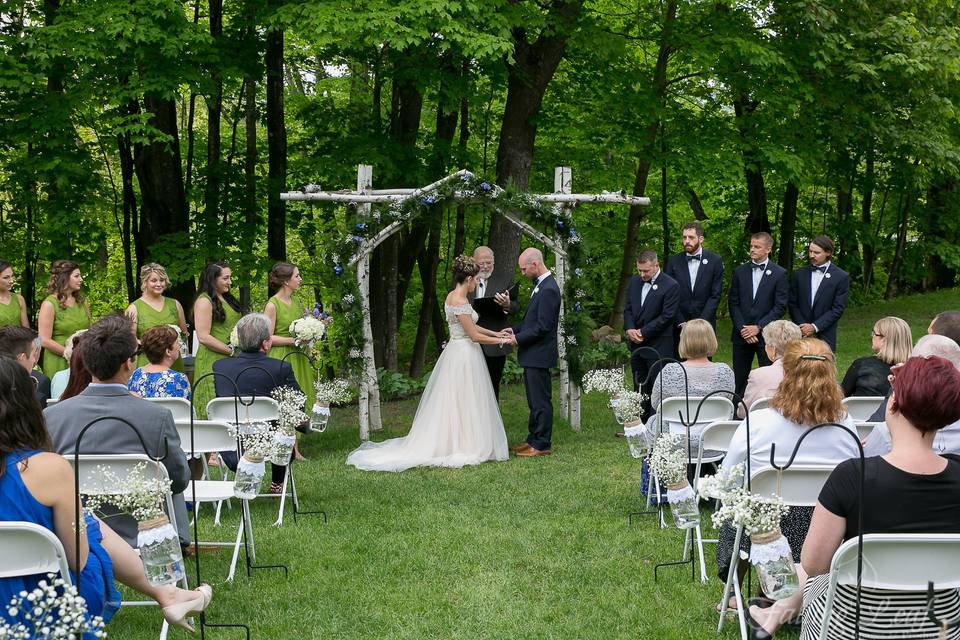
[(354, 250)]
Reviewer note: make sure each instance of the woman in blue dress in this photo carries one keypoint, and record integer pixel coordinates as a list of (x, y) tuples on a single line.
[(161, 345), (38, 486)]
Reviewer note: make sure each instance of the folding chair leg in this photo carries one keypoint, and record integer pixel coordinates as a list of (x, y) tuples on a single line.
[(741, 616), (293, 491), (236, 551), (283, 497), (248, 523), (703, 564), (733, 583)]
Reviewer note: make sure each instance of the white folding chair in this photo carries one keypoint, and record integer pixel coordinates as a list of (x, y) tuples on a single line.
[(256, 409), (210, 436), (799, 486), (864, 429), (895, 562), (862, 407), (760, 403), (179, 407), (29, 549), (121, 465), (671, 415)]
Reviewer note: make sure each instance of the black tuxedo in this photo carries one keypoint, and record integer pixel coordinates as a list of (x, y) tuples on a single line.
[(251, 380), (495, 355), (827, 308), (656, 319), (745, 309), (702, 299), (536, 339)]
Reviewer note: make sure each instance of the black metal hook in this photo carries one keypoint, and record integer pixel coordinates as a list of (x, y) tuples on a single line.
[(943, 625)]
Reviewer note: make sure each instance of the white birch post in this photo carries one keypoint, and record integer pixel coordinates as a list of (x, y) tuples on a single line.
[(370, 419), (562, 183)]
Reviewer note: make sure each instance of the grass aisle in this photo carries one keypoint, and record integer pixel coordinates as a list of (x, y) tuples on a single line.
[(528, 548)]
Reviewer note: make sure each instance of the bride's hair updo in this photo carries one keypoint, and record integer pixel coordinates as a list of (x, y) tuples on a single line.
[(463, 268)]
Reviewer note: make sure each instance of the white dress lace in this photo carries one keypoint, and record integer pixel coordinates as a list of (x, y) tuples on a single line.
[(458, 420)]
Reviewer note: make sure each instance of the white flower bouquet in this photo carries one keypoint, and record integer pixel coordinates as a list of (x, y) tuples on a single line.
[(233, 341), (291, 404), (755, 513), (629, 408), (719, 485), (608, 381), (307, 333), (53, 609), (335, 391), (139, 494), (669, 460)]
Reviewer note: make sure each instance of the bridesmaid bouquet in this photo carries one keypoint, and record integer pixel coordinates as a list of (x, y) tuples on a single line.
[(53, 609), (181, 340), (309, 330)]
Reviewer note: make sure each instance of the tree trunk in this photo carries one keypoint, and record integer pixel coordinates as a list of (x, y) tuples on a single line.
[(428, 262), (276, 147), (788, 226), (190, 117), (528, 76), (696, 206), (129, 198), (942, 202), (214, 101), (866, 224), (249, 176), (163, 209), (757, 219), (902, 228), (648, 141)]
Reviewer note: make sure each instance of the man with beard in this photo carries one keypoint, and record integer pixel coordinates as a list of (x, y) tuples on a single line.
[(493, 317), (700, 276)]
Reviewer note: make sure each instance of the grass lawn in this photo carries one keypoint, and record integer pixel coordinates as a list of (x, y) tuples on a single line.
[(528, 548)]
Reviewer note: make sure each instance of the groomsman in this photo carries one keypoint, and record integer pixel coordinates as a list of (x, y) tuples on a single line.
[(818, 293), (700, 276), (489, 286), (649, 317), (758, 296)]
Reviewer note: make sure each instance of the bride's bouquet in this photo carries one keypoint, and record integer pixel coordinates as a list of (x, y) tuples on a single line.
[(309, 330)]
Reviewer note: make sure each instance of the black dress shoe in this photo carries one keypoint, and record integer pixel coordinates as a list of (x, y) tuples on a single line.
[(754, 630)]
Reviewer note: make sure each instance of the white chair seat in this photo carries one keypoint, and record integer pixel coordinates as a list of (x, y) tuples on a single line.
[(209, 490)]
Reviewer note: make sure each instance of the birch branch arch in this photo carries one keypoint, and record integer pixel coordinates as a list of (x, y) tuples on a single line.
[(463, 186)]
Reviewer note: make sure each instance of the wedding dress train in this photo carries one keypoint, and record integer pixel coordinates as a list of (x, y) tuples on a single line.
[(458, 420)]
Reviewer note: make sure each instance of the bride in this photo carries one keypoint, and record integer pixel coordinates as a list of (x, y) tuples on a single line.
[(458, 421)]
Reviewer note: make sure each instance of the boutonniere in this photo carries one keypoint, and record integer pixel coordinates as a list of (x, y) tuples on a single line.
[(826, 275), (768, 272), (704, 261), (655, 287), (536, 289)]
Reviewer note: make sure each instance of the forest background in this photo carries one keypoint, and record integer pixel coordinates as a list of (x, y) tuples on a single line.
[(134, 131)]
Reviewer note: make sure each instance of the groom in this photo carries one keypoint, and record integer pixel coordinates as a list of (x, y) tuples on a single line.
[(536, 341)]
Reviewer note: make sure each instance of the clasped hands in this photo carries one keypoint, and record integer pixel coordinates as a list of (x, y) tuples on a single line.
[(506, 336), (634, 335), (750, 333)]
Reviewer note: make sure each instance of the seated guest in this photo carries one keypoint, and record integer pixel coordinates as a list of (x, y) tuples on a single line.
[(891, 345), (23, 345), (161, 345), (763, 381), (38, 486), (109, 351), (947, 440), (912, 489), (61, 379), (807, 396), (255, 374), (697, 376)]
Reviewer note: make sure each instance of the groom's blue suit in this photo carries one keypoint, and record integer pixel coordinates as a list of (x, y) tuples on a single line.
[(537, 353)]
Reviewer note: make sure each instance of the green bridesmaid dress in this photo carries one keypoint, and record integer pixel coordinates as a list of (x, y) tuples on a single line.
[(66, 322), (10, 312), (203, 364), (303, 369), (148, 318)]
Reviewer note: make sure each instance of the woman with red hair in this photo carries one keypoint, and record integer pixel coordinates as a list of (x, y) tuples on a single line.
[(912, 489)]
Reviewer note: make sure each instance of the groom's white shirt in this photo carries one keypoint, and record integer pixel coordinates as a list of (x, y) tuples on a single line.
[(542, 277)]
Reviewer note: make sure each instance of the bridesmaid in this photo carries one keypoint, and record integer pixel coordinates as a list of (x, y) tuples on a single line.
[(153, 309), (62, 313), (282, 309), (13, 308), (215, 313)]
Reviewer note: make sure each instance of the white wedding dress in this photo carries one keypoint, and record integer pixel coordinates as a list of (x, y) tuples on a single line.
[(458, 421)]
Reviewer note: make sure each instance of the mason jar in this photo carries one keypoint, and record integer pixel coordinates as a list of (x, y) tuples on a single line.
[(770, 554), (683, 505), (250, 472), (160, 551)]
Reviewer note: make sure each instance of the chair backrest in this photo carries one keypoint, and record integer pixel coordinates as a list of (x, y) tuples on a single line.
[(229, 410), (865, 428), (798, 485), (718, 434), (208, 436), (862, 407), (29, 549), (179, 407), (901, 561), (713, 408), (760, 403)]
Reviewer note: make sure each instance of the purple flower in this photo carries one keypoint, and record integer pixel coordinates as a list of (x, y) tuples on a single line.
[(357, 239), (577, 307), (485, 186), (324, 315)]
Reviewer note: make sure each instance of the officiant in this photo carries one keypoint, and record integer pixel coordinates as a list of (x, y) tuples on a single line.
[(494, 300)]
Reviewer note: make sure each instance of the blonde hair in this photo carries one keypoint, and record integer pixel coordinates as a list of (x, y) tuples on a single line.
[(697, 339), (779, 333), (809, 393), (149, 269), (897, 340)]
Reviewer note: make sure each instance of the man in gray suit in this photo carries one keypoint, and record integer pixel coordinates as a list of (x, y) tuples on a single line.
[(109, 351)]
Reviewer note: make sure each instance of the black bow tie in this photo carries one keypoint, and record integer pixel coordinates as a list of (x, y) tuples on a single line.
[(822, 269), (759, 266), (692, 258)]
